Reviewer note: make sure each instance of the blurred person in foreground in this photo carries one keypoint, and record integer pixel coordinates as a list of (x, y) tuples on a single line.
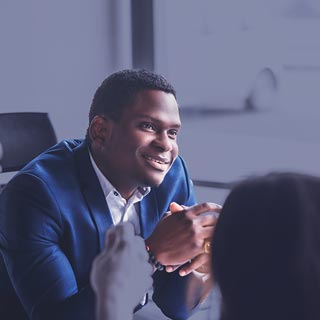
[(55, 211), (120, 274), (266, 249)]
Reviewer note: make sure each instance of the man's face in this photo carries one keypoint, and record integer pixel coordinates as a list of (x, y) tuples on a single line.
[(143, 144)]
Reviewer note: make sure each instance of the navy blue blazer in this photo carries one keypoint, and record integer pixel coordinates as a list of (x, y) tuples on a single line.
[(53, 216)]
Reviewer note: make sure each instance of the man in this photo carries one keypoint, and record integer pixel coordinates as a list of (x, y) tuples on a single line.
[(55, 212)]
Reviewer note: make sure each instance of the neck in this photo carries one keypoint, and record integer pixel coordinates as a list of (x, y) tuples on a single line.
[(125, 188)]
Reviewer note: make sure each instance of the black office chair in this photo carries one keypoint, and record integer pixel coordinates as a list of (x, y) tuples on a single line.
[(23, 136)]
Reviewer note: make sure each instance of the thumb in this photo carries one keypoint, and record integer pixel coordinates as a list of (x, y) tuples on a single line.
[(175, 207)]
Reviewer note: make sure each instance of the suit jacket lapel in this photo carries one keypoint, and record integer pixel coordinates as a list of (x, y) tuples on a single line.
[(149, 214), (92, 191)]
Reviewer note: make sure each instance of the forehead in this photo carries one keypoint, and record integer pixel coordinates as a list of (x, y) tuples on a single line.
[(155, 104)]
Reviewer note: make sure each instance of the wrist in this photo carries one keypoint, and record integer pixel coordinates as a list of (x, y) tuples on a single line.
[(153, 260)]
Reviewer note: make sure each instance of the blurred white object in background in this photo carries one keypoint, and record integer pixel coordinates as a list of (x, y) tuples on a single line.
[(232, 55)]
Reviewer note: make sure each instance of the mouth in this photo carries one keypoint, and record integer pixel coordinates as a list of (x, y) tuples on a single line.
[(157, 162)]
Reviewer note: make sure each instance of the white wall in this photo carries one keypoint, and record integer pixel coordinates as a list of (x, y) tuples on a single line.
[(54, 54)]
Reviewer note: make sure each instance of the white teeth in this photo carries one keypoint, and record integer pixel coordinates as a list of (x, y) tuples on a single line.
[(155, 160)]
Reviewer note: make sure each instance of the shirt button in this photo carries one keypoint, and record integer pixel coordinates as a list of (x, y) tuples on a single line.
[(115, 193)]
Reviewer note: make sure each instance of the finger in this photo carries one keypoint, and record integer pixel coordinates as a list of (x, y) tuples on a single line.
[(203, 207), (172, 268), (167, 214), (206, 233), (195, 263), (175, 207), (209, 219)]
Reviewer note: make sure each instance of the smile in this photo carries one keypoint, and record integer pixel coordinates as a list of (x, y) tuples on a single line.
[(157, 162)]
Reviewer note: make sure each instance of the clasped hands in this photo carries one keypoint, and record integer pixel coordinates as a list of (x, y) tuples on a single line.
[(180, 237)]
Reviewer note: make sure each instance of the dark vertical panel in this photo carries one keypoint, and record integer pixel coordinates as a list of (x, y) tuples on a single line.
[(142, 34)]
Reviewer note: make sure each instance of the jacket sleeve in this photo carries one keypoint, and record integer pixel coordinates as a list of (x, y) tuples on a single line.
[(31, 230)]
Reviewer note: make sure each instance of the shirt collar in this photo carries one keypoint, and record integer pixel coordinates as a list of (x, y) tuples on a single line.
[(107, 187)]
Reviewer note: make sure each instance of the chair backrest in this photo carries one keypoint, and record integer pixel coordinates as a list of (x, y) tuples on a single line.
[(23, 136), (1, 153)]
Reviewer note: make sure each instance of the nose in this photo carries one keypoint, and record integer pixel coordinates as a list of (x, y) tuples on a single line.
[(163, 142)]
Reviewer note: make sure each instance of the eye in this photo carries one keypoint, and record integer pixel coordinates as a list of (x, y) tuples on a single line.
[(172, 133), (147, 126)]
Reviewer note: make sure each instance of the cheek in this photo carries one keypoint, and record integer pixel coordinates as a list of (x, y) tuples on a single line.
[(175, 149), (131, 141), (141, 140), (135, 143)]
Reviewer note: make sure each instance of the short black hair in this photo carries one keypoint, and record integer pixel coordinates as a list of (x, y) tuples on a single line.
[(120, 89)]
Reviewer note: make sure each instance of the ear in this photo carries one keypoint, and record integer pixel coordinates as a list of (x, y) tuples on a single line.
[(100, 131)]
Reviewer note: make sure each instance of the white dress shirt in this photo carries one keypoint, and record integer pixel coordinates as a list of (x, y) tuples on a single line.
[(120, 208)]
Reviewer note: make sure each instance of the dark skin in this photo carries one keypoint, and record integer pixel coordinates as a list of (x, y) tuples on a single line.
[(202, 262), (137, 151), (139, 148)]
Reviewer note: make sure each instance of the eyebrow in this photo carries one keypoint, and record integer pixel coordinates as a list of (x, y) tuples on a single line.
[(147, 117)]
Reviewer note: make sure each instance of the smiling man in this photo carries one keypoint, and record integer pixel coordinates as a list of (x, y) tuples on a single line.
[(55, 211)]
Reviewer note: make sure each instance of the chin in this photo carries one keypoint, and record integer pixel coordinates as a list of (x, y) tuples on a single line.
[(153, 181)]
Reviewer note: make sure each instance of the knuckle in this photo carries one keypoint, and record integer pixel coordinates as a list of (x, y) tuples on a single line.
[(199, 243), (206, 205), (193, 245), (193, 232), (188, 220), (196, 224), (209, 206), (196, 245)]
